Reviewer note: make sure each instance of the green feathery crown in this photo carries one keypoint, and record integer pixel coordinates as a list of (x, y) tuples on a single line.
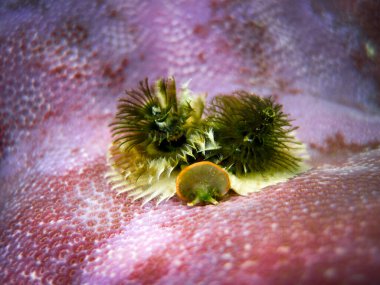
[(152, 120), (255, 135)]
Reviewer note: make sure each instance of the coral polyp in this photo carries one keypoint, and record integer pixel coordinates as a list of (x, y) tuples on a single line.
[(158, 136)]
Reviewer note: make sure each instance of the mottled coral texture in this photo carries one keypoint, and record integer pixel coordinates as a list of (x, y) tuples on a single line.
[(63, 64)]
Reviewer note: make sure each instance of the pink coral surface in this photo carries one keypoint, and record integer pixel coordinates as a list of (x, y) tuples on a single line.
[(63, 64)]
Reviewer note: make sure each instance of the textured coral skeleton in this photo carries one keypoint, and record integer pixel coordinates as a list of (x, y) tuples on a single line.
[(64, 64)]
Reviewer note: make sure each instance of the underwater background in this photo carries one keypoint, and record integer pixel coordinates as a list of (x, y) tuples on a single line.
[(64, 64)]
